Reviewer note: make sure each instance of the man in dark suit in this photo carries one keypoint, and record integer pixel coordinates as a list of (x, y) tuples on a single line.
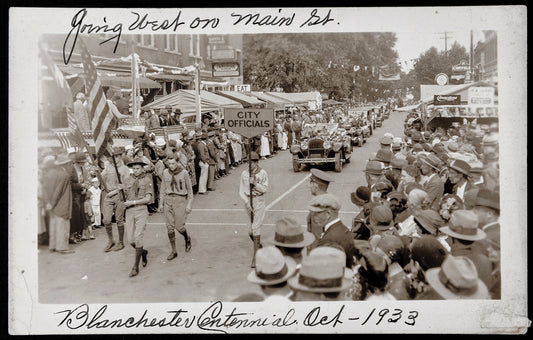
[(212, 160), (325, 211), (434, 186), (197, 170)]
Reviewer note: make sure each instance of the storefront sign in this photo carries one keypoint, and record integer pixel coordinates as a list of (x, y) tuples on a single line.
[(243, 88), (450, 99), (481, 95), (222, 54), (216, 39), (249, 122), (227, 69)]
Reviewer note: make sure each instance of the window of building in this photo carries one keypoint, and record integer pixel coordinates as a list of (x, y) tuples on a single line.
[(171, 43), (148, 40), (194, 45)]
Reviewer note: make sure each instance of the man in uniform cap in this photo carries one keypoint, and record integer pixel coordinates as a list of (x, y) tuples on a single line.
[(319, 182), (139, 191), (325, 212), (256, 179)]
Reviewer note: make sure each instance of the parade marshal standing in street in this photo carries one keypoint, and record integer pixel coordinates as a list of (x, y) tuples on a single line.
[(258, 181), (139, 191), (176, 184)]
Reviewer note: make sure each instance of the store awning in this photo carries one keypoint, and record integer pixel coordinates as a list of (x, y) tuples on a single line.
[(276, 103), (185, 100), (184, 79), (461, 90), (109, 78), (245, 100)]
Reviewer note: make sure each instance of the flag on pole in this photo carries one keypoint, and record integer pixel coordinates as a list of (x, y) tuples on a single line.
[(100, 115)]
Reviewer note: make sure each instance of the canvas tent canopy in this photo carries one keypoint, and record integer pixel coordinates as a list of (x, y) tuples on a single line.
[(276, 103), (244, 99), (185, 100), (313, 100)]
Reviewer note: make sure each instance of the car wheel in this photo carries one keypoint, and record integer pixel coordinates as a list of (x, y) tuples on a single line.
[(295, 165)]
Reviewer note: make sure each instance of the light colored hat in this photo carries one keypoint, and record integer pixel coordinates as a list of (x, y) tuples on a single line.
[(464, 225), (271, 267), (335, 250), (324, 202), (62, 159), (457, 278), (460, 166), (80, 95), (320, 273), (373, 167), (288, 233), (128, 147), (94, 180), (160, 141)]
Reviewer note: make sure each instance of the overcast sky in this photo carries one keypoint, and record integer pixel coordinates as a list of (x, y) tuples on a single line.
[(410, 46)]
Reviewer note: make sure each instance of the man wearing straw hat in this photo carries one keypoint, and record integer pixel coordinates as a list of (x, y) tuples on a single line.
[(139, 191), (290, 238), (57, 194), (272, 270)]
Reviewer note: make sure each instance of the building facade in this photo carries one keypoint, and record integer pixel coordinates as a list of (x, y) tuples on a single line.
[(486, 58)]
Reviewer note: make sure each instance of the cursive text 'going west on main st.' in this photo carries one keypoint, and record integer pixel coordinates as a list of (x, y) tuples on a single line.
[(213, 318)]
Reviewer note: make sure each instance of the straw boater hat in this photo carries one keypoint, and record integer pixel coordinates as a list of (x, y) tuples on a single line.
[(271, 267), (464, 225), (321, 273), (137, 161), (457, 279), (431, 160), (289, 234)]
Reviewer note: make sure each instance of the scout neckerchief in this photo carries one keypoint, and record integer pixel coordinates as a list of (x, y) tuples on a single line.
[(173, 183), (135, 186)]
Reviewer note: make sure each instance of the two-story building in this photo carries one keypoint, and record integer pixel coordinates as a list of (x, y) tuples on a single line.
[(486, 58)]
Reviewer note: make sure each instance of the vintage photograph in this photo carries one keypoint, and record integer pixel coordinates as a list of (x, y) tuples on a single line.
[(267, 167)]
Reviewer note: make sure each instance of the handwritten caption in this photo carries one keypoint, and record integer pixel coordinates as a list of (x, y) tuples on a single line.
[(217, 319), (80, 24)]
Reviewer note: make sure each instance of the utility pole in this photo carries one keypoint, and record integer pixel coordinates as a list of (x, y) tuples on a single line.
[(446, 36)]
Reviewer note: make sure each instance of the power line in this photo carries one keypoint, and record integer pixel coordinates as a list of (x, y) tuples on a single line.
[(446, 37)]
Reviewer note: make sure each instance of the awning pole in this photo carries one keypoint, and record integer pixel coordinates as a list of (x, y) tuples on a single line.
[(198, 101)]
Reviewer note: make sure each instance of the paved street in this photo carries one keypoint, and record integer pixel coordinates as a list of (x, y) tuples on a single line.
[(217, 266)]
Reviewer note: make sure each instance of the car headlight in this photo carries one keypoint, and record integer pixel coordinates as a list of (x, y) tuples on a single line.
[(327, 144), (304, 146), (295, 149)]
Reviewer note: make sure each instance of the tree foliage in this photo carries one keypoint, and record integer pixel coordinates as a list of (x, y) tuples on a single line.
[(432, 62), (322, 61)]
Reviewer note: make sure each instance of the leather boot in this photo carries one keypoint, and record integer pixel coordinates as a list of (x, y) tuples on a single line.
[(257, 245), (144, 257), (174, 253), (135, 269), (120, 244), (111, 241), (187, 240)]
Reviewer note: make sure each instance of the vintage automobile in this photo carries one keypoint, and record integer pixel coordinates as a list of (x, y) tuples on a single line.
[(379, 119), (325, 143), (356, 133)]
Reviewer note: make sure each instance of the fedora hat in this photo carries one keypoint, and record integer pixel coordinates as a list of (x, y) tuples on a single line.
[(333, 249), (451, 146), (137, 160), (428, 252), (431, 160), (384, 156), (385, 140), (380, 218), (488, 198), (464, 225), (324, 202), (392, 246), (289, 234), (361, 195), (430, 220), (417, 147), (62, 159), (398, 163), (321, 273), (373, 167), (271, 267), (457, 278), (460, 166)]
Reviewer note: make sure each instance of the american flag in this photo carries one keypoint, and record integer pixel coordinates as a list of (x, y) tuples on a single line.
[(100, 115)]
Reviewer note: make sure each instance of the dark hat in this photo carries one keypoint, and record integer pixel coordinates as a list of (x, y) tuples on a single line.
[(398, 163), (172, 142), (392, 246), (254, 156), (451, 146), (288, 233), (374, 167), (427, 147), (488, 198), (385, 140), (457, 278), (384, 156), (460, 166), (464, 225), (168, 107), (118, 151), (430, 220), (396, 195), (383, 185), (177, 111), (320, 176), (470, 197), (417, 147), (380, 217), (137, 160), (428, 252), (361, 195), (204, 135)]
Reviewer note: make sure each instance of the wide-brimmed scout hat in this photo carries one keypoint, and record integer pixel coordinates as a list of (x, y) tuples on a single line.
[(289, 234), (271, 267), (321, 273), (457, 278), (463, 225)]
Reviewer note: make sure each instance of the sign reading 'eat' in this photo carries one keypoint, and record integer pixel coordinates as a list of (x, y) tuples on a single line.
[(249, 122)]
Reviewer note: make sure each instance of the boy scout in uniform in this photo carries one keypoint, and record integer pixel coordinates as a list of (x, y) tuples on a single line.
[(139, 191), (177, 188)]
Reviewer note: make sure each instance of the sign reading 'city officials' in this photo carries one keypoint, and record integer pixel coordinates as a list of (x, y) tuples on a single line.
[(249, 122)]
